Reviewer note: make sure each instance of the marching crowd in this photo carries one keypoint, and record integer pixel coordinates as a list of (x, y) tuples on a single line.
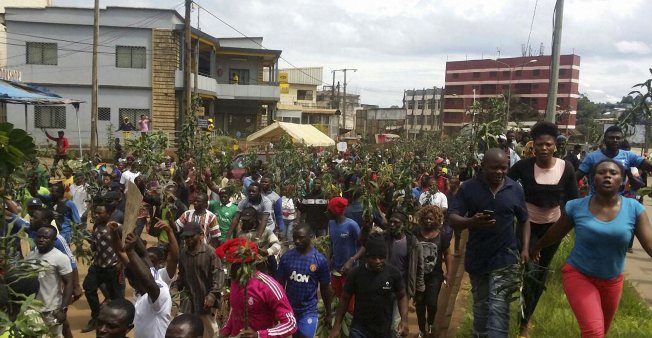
[(194, 252)]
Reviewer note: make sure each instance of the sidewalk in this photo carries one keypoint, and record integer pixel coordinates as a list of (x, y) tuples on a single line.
[(638, 266)]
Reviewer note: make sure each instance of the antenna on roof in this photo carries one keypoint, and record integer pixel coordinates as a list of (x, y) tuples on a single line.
[(541, 49), (523, 50), (498, 51)]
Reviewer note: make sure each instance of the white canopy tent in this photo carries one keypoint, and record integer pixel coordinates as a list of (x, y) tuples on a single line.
[(301, 133)]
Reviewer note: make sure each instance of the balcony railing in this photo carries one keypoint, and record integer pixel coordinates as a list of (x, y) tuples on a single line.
[(228, 91)]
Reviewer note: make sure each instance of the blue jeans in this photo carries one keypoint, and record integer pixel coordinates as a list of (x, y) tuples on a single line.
[(491, 298)]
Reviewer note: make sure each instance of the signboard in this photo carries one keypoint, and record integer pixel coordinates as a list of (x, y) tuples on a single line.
[(283, 77), (285, 88), (341, 146), (10, 74), (201, 111), (202, 124), (132, 208)]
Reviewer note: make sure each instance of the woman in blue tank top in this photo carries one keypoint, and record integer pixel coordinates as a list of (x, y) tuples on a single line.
[(604, 223)]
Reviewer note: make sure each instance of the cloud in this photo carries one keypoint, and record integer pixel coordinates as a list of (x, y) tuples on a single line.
[(635, 47)]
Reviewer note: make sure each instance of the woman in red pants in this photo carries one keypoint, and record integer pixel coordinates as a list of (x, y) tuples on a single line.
[(604, 223)]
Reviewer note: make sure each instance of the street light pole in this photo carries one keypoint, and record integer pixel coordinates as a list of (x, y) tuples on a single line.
[(509, 86)]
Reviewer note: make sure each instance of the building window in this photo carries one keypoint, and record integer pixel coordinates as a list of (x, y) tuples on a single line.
[(535, 85), (304, 95), (410, 104), (518, 73), (561, 86), (428, 119), (410, 119), (133, 114), (420, 104), (130, 57), (492, 74), (505, 73), (41, 53), (289, 119), (419, 120), (536, 72), (104, 114), (239, 76), (562, 72), (50, 117), (476, 74), (456, 75), (560, 103)]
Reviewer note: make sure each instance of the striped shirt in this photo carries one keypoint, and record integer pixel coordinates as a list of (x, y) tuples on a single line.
[(267, 306), (200, 273), (206, 220)]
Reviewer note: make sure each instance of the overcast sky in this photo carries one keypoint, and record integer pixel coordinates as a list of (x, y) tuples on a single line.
[(405, 44)]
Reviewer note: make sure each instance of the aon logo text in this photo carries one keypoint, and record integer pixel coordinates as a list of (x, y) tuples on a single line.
[(297, 277)]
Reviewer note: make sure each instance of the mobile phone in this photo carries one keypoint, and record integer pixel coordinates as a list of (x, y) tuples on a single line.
[(488, 212)]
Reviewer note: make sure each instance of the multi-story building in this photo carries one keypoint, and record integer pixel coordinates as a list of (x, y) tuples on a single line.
[(298, 103), (523, 79), (328, 98), (140, 57), (3, 35), (423, 108), (372, 121)]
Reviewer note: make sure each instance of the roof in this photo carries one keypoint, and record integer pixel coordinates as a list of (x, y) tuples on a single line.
[(21, 93), (302, 133)]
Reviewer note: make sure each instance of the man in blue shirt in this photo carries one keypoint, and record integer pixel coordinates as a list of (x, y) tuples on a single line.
[(487, 205), (344, 241), (613, 138), (301, 271)]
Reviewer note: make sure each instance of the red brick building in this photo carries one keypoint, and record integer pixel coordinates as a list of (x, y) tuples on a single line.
[(526, 78)]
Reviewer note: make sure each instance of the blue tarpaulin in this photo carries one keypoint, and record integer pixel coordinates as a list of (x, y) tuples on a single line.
[(21, 93)]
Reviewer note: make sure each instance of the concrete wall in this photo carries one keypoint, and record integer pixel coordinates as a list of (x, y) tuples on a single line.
[(114, 98), (291, 97), (74, 61), (14, 3), (228, 62)]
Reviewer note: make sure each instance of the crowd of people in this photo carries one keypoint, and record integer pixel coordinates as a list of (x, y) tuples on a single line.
[(201, 244)]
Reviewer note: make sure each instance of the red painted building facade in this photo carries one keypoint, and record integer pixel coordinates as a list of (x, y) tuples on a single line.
[(525, 78)]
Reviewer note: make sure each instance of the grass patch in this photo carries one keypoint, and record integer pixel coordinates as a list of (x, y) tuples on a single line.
[(553, 316)]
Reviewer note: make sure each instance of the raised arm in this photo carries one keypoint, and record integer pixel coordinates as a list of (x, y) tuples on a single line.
[(556, 232), (140, 270), (173, 248)]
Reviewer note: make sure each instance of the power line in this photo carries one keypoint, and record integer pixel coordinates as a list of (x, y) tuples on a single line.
[(527, 45), (111, 32), (258, 43)]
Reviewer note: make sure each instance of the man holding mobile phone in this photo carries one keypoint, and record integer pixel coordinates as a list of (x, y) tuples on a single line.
[(487, 205)]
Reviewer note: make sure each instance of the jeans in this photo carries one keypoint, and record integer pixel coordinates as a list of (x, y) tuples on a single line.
[(536, 274), (594, 300), (96, 276), (289, 227), (491, 296)]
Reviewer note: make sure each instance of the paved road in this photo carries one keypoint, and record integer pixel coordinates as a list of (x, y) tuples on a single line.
[(638, 266)]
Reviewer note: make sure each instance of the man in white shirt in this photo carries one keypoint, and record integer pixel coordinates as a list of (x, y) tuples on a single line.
[(79, 195), (55, 280), (154, 303)]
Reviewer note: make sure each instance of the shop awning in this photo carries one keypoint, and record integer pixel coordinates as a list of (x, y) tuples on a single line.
[(301, 133), (21, 93)]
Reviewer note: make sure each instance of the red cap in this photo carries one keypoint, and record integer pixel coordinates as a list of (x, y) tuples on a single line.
[(337, 205)]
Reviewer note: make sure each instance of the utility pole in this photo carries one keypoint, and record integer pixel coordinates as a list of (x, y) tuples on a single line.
[(338, 95), (187, 55), (333, 92), (344, 104), (94, 86), (554, 68)]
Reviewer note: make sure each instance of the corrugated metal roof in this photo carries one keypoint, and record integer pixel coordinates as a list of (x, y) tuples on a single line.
[(306, 75)]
